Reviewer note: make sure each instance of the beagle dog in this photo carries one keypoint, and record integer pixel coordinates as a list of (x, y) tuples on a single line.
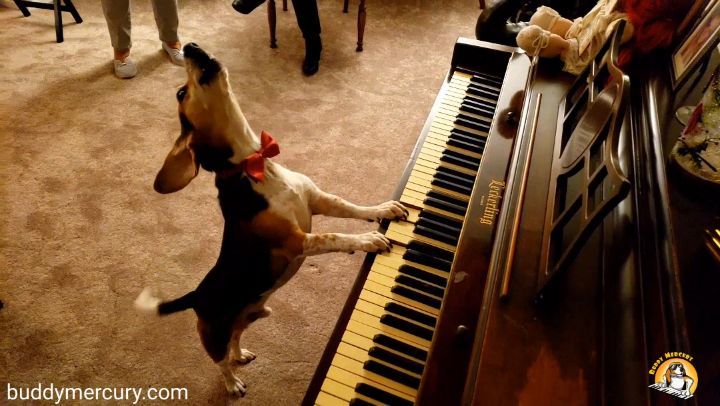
[(267, 211), (675, 377)]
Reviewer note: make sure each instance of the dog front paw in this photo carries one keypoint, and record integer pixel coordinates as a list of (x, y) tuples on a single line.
[(235, 386), (373, 242), (391, 210)]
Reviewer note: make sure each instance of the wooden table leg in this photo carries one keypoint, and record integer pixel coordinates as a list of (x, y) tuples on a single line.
[(272, 21), (362, 15)]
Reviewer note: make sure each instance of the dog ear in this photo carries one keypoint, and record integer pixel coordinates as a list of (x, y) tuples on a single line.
[(180, 167)]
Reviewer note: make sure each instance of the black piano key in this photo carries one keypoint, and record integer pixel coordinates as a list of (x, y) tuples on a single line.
[(485, 76), (481, 83), (411, 314), (461, 184), (392, 373), (399, 346), (484, 90), (425, 259), (421, 286), (452, 186), (455, 160), (493, 81), (433, 252), (466, 137), (435, 235), (359, 402), (473, 118), (472, 122), (471, 136), (406, 326), (454, 142), (460, 121), (439, 228), (381, 396), (396, 360), (424, 275), (454, 205), (480, 92), (462, 160), (451, 226), (468, 179), (489, 89), (482, 104), (443, 205), (480, 110), (418, 297)]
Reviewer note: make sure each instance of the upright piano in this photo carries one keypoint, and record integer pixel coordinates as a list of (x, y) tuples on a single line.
[(538, 263)]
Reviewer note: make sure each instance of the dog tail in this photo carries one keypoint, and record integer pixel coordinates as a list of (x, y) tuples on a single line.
[(147, 302)]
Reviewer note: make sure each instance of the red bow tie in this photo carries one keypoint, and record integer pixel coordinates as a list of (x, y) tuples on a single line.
[(255, 163)]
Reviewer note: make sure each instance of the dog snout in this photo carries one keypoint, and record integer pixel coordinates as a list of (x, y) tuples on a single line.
[(193, 51), (160, 187)]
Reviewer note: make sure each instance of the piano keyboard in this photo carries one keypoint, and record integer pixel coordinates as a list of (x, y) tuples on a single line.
[(382, 354), (671, 391)]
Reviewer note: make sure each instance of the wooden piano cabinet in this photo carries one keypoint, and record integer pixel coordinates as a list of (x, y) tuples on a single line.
[(552, 353)]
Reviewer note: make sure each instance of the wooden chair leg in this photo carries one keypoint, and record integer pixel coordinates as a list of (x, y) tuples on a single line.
[(361, 25), (345, 6), (284, 5), (272, 22), (57, 9)]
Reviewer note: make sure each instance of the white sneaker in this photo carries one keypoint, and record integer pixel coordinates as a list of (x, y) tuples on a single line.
[(176, 55), (125, 69)]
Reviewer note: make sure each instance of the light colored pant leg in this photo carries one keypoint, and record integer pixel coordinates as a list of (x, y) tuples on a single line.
[(117, 16), (166, 18)]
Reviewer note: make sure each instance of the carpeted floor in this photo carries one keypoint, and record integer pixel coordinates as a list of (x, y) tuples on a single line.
[(82, 231)]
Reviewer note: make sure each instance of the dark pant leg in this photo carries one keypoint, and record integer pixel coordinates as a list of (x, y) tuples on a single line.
[(308, 18)]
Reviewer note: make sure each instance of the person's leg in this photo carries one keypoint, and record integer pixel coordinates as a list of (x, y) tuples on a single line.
[(117, 16), (308, 20), (166, 18)]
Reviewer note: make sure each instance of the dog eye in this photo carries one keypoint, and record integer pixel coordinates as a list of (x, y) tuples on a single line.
[(181, 94)]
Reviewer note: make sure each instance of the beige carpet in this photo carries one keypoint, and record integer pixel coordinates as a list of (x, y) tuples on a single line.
[(82, 231)]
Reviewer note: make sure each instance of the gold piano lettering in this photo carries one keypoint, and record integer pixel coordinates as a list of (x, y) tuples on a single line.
[(492, 202)]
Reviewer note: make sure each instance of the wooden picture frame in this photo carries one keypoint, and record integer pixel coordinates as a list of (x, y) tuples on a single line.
[(696, 44)]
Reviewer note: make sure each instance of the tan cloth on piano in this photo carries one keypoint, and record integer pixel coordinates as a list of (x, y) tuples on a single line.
[(588, 34)]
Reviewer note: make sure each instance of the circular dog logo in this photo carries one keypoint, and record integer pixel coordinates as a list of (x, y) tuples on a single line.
[(674, 374)]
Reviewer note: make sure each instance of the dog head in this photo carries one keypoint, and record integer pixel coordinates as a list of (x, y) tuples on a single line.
[(677, 369), (674, 370), (213, 129)]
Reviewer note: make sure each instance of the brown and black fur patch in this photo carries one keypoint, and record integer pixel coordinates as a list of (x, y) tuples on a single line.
[(256, 249)]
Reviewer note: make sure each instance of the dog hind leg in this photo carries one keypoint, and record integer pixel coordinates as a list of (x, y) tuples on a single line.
[(240, 356), (234, 385), (334, 206), (217, 342)]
